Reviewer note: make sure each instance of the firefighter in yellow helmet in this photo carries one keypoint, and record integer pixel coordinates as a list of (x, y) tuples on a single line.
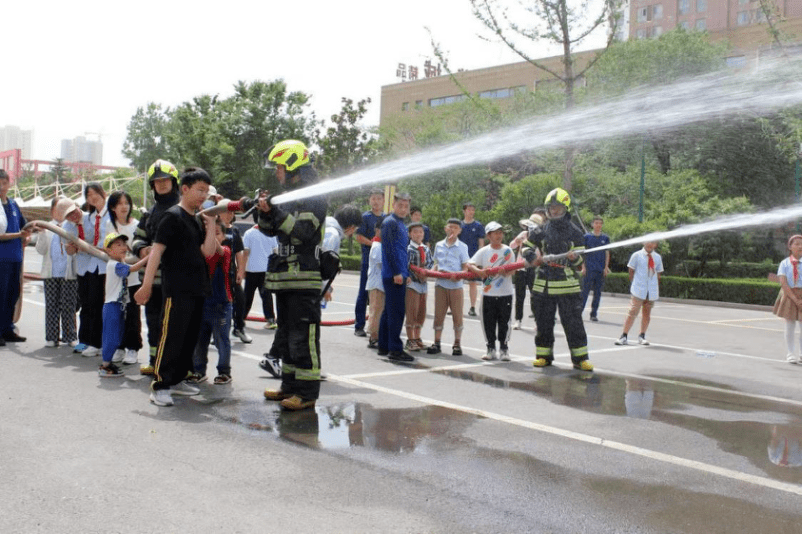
[(294, 276), (163, 180), (556, 287)]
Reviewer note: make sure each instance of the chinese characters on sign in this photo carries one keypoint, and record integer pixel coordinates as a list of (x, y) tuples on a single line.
[(410, 72)]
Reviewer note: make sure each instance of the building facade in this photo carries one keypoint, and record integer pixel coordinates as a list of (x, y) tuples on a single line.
[(82, 150), (13, 137), (739, 22)]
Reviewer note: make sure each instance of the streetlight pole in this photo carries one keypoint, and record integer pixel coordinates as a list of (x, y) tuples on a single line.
[(643, 177)]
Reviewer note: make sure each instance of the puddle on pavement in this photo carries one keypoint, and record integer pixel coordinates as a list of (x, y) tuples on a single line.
[(351, 425), (767, 433)]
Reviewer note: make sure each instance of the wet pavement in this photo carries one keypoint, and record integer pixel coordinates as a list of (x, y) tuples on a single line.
[(699, 432)]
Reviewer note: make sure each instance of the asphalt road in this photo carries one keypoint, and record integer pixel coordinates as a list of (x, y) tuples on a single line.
[(699, 432)]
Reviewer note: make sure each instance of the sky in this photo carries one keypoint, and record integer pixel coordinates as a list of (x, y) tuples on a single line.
[(84, 67)]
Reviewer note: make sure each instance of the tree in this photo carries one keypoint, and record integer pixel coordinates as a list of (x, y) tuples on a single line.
[(145, 141), (653, 62), (346, 145), (225, 136), (560, 23)]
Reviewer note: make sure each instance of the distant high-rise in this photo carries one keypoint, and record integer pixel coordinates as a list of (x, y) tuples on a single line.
[(81, 150), (12, 137)]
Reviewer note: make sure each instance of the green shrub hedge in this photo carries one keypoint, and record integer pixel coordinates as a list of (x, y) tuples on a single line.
[(714, 269), (742, 291)]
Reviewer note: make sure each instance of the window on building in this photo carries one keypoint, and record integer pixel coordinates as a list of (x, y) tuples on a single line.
[(640, 34), (701, 25), (643, 14), (743, 18), (443, 100), (657, 11), (701, 6), (742, 2), (405, 106), (685, 25), (657, 31), (419, 103), (759, 16), (683, 6)]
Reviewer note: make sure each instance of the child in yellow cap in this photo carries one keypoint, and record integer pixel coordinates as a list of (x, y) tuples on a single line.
[(117, 296)]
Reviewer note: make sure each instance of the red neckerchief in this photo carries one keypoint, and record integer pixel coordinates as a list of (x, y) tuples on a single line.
[(224, 261), (795, 264), (651, 264), (97, 229), (422, 251), (376, 239)]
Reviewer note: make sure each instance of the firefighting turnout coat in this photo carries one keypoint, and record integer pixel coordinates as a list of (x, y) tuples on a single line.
[(556, 236), (299, 227)]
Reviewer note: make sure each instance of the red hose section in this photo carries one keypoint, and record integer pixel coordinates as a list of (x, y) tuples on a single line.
[(466, 275), (235, 205)]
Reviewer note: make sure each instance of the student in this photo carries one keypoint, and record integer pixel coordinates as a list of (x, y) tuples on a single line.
[(472, 234), (12, 241), (180, 246), (58, 278), (788, 305), (234, 241), (450, 255), (217, 312), (497, 291), (375, 287), (595, 268), (345, 222), (120, 206), (415, 215), (116, 301), (364, 235), (419, 256), (258, 248), (395, 270), (91, 285), (522, 279), (645, 267)]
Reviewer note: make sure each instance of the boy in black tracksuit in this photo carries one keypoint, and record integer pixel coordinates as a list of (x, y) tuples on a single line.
[(163, 179), (556, 286), (181, 245)]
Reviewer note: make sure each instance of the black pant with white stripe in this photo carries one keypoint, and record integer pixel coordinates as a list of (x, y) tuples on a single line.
[(496, 315)]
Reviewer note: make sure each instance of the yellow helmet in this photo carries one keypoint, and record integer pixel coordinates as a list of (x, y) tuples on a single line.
[(290, 153), (558, 196), (162, 169)]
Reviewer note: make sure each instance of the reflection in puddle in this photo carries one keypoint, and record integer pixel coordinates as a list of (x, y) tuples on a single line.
[(767, 433), (349, 425)]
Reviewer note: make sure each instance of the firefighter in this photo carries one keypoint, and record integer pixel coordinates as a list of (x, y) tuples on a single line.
[(163, 180), (294, 276), (557, 286)]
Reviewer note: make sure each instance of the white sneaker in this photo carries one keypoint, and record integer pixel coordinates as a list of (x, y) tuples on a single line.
[(51, 344), (491, 355), (90, 351), (622, 340), (119, 354), (184, 389), (504, 355), (161, 397), (73, 343), (792, 358), (642, 340), (245, 338), (131, 357), (517, 325)]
